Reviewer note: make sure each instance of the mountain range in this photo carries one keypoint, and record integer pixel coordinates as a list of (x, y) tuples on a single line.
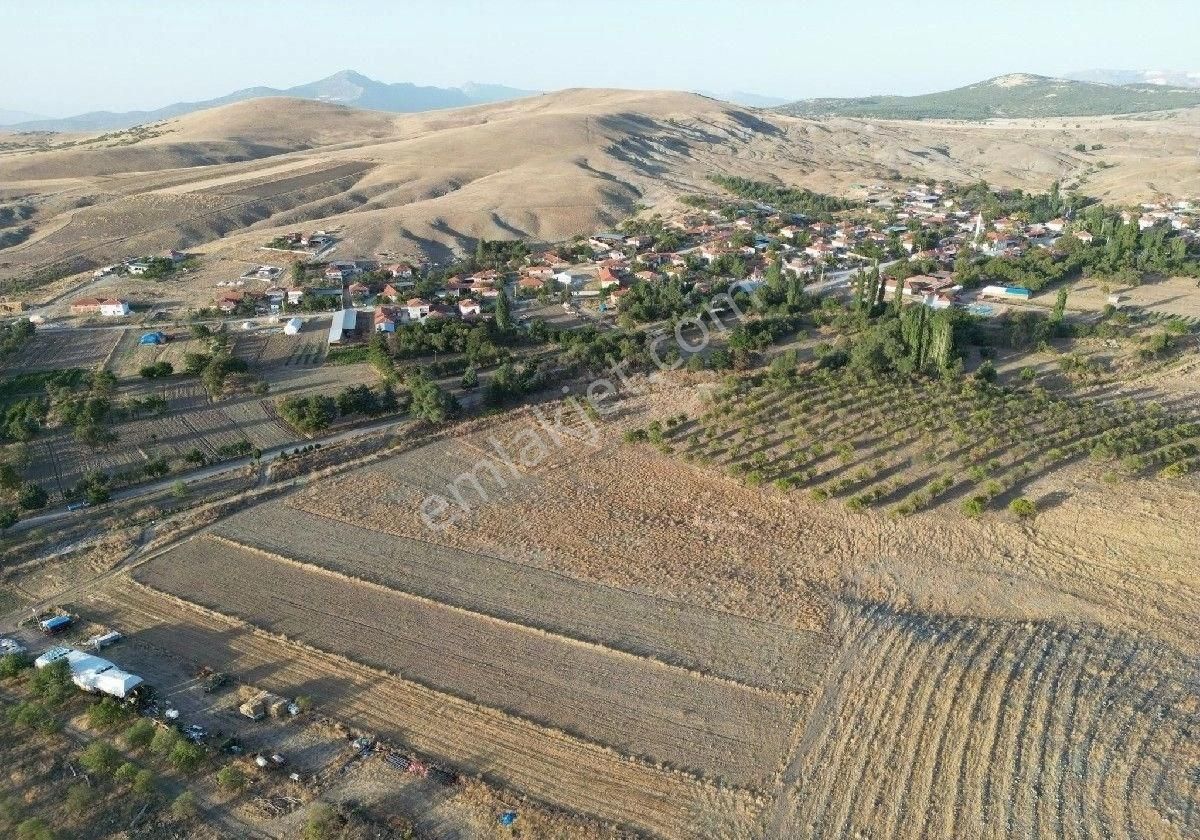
[(343, 88), (1017, 95)]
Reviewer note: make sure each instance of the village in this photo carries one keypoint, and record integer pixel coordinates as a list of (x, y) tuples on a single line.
[(922, 238)]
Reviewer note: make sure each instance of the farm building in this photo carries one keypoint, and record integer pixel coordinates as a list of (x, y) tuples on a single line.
[(108, 307), (344, 326), (293, 326), (153, 338), (1005, 292)]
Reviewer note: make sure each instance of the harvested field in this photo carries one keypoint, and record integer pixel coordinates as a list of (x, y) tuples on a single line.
[(549, 766), (935, 726), (640, 707), (52, 350), (753, 652)]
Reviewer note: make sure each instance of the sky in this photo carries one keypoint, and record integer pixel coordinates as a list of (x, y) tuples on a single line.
[(63, 57)]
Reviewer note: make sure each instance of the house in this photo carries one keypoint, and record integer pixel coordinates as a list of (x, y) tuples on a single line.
[(540, 272), (176, 256), (1084, 237), (385, 319), (341, 270), (566, 278), (415, 310), (469, 308), (138, 267), (344, 326), (607, 278), (399, 270), (1056, 225), (107, 307), (230, 301), (531, 284), (394, 292), (359, 290)]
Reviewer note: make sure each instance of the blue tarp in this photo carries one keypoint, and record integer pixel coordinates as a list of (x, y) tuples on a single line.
[(508, 818), (153, 338)]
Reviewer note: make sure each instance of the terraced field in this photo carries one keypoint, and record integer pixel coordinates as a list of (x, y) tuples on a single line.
[(945, 727), (664, 714), (757, 653), (545, 764)]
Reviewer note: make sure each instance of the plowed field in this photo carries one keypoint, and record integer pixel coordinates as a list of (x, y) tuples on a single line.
[(638, 706), (547, 765)]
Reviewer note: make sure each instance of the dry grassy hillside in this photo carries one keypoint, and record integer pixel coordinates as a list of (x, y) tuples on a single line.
[(545, 168)]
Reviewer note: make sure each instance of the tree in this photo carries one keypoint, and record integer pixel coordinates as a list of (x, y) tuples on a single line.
[(32, 497), (308, 414), (8, 517), (100, 758), (179, 490), (1060, 307), (503, 312), (470, 378), (429, 402), (10, 479)]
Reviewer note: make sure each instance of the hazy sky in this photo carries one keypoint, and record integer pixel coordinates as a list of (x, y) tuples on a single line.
[(61, 57)]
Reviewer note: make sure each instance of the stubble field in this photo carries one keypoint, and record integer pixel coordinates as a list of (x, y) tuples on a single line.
[(788, 668)]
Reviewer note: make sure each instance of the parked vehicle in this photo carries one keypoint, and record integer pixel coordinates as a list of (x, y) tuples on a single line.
[(103, 640), (55, 624)]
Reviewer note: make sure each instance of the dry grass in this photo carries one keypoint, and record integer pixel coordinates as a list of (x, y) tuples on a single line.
[(545, 168)]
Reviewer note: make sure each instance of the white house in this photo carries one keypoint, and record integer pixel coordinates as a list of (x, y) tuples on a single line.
[(415, 309)]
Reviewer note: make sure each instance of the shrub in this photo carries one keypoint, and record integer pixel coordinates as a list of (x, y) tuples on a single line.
[(106, 714), (34, 828), (144, 784), (186, 757), (80, 797), (32, 497), (322, 823), (101, 758), (974, 506), (184, 806), (1022, 508), (12, 664), (53, 683), (1176, 470), (231, 778), (164, 742), (126, 773), (140, 734)]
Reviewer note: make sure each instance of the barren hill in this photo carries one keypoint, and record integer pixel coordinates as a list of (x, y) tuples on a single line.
[(546, 168)]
